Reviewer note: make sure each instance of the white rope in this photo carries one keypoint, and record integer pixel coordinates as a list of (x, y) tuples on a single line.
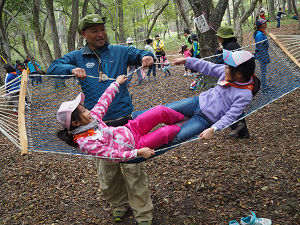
[(16, 142)]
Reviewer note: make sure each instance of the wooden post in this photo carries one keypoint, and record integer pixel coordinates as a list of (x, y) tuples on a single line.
[(21, 114), (285, 50)]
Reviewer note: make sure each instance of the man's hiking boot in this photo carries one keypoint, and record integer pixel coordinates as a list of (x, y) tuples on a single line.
[(118, 215)]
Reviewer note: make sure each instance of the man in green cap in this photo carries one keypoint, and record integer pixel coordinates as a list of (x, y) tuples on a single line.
[(228, 41), (123, 185)]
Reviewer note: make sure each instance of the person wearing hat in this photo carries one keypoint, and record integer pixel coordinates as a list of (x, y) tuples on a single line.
[(228, 41), (261, 50), (131, 68), (124, 186)]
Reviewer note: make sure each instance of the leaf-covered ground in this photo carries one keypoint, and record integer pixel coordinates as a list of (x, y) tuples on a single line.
[(209, 182)]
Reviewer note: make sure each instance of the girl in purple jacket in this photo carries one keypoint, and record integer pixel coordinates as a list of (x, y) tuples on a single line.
[(86, 130), (220, 106)]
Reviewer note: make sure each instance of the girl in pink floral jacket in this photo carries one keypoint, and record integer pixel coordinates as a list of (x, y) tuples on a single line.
[(86, 130)]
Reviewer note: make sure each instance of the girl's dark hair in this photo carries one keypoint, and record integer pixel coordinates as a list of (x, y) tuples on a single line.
[(229, 40), (246, 69), (20, 64), (256, 85), (149, 41), (9, 68), (186, 31), (65, 134), (194, 37), (183, 48)]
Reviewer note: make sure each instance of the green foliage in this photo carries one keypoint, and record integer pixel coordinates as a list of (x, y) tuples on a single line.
[(138, 16)]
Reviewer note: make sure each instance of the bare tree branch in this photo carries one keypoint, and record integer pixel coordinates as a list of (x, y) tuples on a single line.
[(156, 17)]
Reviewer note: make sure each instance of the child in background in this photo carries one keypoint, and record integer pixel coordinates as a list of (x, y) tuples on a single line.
[(262, 15), (195, 50), (165, 64), (262, 51), (187, 53), (19, 68), (131, 68), (12, 86), (86, 130), (149, 48)]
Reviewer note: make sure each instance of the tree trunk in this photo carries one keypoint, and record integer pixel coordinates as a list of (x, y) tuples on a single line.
[(53, 28), (239, 23), (99, 10), (73, 26), (3, 35), (121, 21), (83, 14), (24, 43), (290, 7), (208, 41), (42, 44), (183, 13), (133, 24), (283, 5), (271, 9), (257, 13), (177, 28), (228, 15), (296, 12), (155, 17)]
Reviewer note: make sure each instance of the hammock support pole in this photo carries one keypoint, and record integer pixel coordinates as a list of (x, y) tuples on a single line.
[(285, 50), (21, 115)]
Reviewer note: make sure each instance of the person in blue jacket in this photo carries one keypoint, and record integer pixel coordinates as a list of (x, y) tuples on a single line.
[(124, 186), (262, 50), (35, 69), (12, 85), (278, 17)]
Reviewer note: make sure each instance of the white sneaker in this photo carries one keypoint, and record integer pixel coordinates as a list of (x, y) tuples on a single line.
[(253, 220)]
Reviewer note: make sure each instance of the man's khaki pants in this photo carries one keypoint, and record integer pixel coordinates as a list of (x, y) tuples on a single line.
[(129, 188)]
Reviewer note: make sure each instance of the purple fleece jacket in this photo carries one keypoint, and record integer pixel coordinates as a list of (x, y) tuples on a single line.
[(222, 104)]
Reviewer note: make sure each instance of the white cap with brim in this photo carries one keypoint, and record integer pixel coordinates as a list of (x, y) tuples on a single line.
[(66, 109)]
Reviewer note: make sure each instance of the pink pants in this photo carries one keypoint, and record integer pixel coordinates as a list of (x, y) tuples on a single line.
[(145, 122)]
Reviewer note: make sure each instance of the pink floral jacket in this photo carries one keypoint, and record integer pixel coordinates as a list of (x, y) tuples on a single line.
[(115, 143)]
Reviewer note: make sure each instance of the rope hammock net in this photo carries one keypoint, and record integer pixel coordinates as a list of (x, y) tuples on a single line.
[(36, 124)]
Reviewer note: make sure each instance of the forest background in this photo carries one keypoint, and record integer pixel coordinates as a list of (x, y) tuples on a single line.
[(47, 29)]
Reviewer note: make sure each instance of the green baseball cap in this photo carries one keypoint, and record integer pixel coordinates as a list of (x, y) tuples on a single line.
[(89, 21), (225, 32)]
